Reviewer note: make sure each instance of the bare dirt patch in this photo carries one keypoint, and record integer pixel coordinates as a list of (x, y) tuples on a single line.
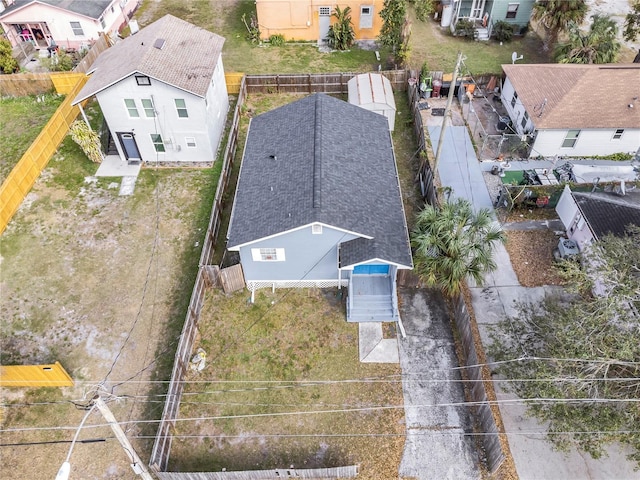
[(531, 254)]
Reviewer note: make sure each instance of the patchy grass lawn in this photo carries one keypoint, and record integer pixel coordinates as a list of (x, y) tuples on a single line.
[(435, 45), (286, 387), (21, 121)]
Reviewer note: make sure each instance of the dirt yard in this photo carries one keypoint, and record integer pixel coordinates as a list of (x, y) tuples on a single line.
[(97, 282)]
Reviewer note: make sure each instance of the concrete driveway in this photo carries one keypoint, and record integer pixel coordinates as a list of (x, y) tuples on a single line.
[(437, 446)]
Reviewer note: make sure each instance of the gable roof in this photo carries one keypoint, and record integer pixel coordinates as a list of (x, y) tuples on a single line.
[(186, 60), (609, 214), (369, 89), (320, 159), (87, 8), (578, 96)]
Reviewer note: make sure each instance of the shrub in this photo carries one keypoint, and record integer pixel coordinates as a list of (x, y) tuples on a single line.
[(503, 31), (8, 64), (276, 40), (465, 28)]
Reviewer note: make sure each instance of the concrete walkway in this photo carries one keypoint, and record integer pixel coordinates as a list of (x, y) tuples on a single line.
[(437, 446), (533, 455)]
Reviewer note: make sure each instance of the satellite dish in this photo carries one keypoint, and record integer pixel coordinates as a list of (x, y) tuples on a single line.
[(515, 57)]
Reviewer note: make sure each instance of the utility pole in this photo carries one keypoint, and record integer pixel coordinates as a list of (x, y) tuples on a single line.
[(136, 463), (447, 113)]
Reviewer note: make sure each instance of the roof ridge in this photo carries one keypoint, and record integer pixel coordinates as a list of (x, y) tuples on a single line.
[(317, 153), (607, 199)]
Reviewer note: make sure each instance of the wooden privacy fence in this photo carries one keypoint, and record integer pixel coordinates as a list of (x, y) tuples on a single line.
[(20, 180), (490, 438), (275, 474), (234, 82), (104, 42), (22, 84), (162, 445), (316, 82)]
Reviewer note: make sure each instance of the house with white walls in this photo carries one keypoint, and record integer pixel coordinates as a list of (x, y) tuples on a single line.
[(163, 94)]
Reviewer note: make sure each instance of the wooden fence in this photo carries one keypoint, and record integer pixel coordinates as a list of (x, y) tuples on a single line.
[(20, 180), (21, 84), (103, 43), (234, 82), (52, 375), (316, 82), (162, 445), (278, 473)]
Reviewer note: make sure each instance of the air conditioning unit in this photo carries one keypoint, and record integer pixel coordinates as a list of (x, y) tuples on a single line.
[(566, 249)]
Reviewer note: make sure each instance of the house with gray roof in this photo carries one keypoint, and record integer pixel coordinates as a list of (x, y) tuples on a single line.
[(589, 216), (69, 24), (163, 94), (572, 110), (318, 204)]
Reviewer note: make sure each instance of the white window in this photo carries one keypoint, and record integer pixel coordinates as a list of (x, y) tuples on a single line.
[(316, 229), (130, 103), (143, 80), (190, 141), (147, 104), (525, 120), (512, 10), (77, 29), (618, 134), (158, 144), (181, 107), (571, 139), (267, 254), (514, 99), (366, 16), (103, 24)]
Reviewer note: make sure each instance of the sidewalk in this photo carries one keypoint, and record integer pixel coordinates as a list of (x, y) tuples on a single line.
[(533, 455)]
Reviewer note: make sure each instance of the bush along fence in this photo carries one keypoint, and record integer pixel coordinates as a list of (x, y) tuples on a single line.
[(493, 449)]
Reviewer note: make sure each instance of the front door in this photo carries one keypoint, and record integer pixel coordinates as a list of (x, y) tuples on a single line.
[(129, 146), (477, 9), (324, 21)]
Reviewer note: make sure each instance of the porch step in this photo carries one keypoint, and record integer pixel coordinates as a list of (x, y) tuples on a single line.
[(377, 316), (482, 34)]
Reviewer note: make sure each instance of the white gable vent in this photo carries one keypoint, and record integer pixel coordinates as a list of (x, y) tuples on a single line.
[(316, 229)]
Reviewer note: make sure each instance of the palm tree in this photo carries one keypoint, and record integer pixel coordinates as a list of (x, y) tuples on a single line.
[(341, 35), (598, 45), (555, 16), (453, 243)]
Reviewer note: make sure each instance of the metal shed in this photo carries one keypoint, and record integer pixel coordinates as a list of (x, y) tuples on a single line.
[(372, 91)]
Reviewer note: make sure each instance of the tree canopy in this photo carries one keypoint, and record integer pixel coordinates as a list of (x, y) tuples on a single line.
[(597, 45), (578, 356), (8, 64), (341, 35), (454, 243), (393, 16), (556, 15), (632, 23)]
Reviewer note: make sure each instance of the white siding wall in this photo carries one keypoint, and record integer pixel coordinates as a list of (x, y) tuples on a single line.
[(217, 106), (174, 130), (590, 142), (516, 112)]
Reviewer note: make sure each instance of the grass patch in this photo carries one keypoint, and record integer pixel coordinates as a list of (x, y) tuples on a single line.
[(435, 45), (288, 364), (21, 121)]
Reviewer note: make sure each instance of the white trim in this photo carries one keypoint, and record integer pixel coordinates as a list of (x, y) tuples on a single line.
[(258, 254), (254, 285), (236, 248), (373, 260)]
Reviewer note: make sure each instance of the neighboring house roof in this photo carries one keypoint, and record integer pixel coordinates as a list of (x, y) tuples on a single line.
[(570, 96), (320, 159), (606, 213), (186, 60), (87, 8)]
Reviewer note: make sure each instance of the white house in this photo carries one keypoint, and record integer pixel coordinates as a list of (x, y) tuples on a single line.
[(575, 110), (588, 216), (373, 91), (163, 93), (71, 24)]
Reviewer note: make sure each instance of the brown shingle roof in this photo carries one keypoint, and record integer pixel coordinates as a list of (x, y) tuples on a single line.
[(187, 59), (578, 96)]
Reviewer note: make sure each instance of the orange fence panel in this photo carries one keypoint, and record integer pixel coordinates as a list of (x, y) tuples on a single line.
[(233, 80), (53, 375)]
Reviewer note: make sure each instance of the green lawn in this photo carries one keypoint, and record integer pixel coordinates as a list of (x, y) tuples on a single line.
[(21, 121)]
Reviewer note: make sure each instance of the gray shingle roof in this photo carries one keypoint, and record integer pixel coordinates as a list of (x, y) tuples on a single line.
[(320, 159), (88, 8), (609, 214), (187, 60)]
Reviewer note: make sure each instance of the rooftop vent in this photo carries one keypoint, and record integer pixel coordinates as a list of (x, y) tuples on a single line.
[(159, 43)]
